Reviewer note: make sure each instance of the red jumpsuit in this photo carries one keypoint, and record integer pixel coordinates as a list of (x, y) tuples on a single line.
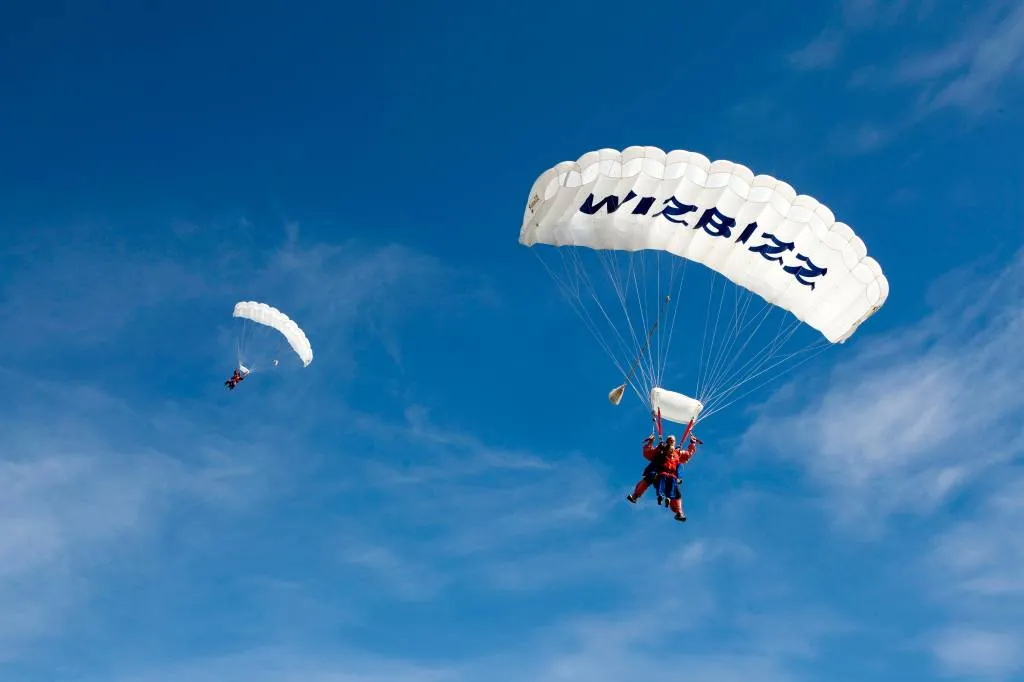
[(664, 461), (234, 379)]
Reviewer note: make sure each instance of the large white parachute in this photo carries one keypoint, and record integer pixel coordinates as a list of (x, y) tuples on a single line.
[(271, 317), (642, 213)]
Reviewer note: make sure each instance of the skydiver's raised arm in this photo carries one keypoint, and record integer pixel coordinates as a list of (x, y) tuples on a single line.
[(650, 449)]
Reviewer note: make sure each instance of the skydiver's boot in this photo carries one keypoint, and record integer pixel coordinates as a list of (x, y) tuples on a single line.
[(677, 506)]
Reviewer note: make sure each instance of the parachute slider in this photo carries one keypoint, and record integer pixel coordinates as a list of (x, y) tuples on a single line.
[(675, 407), (615, 395)]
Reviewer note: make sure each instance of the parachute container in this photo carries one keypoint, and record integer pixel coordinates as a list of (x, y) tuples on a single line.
[(675, 407)]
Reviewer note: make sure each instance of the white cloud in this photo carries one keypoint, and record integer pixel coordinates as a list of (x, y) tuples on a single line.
[(96, 494), (71, 504), (529, 547), (609, 662), (919, 417), (966, 72), (96, 472), (475, 510), (914, 415), (820, 53), (854, 17), (281, 665), (396, 571), (982, 556), (88, 290), (975, 567), (701, 551), (690, 626), (972, 652), (624, 635)]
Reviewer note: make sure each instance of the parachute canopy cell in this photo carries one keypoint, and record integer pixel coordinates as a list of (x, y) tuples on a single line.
[(754, 230), (270, 316)]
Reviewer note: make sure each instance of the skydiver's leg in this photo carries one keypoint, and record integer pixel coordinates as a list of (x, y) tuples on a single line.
[(649, 479), (664, 489), (676, 505), (639, 490), (650, 476)]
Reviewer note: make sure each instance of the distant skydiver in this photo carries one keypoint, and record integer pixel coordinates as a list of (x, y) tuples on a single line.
[(236, 378)]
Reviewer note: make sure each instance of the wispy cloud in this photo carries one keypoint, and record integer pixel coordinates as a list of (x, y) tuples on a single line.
[(89, 289), (977, 568), (336, 284), (748, 642), (97, 469), (983, 554), (495, 521), (479, 510), (912, 416), (978, 653), (85, 487), (820, 53), (275, 664), (394, 569), (86, 294), (919, 73), (595, 642), (917, 418), (966, 72), (855, 17)]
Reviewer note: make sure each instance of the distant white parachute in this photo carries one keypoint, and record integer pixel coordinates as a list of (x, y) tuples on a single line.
[(624, 225), (265, 331)]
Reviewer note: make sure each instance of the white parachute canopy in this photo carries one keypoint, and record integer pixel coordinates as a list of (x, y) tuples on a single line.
[(624, 225), (272, 318)]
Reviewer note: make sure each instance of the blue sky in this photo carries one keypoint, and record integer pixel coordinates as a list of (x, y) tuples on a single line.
[(439, 496)]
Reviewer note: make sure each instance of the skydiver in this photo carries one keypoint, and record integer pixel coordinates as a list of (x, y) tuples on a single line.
[(668, 483), (236, 377), (666, 460)]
